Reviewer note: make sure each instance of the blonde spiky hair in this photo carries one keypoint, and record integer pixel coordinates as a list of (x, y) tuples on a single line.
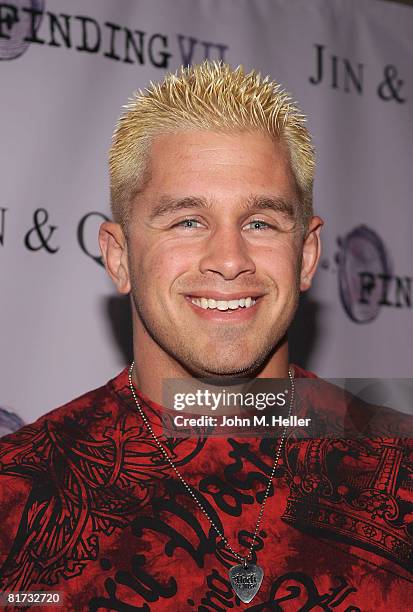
[(210, 96)]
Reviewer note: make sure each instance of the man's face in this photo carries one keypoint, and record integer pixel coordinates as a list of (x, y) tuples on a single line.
[(213, 257)]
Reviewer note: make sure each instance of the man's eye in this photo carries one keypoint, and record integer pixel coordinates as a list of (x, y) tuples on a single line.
[(257, 225), (188, 224)]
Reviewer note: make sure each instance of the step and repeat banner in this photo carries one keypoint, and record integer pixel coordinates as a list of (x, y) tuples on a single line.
[(66, 69)]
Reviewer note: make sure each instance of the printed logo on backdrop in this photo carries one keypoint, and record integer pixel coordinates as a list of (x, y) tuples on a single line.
[(366, 280), (26, 22), (19, 23), (40, 235), (345, 74)]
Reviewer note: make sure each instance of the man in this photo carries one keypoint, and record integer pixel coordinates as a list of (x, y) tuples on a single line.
[(213, 237)]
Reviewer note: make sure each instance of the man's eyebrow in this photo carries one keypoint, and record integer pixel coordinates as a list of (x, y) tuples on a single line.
[(168, 205), (275, 203)]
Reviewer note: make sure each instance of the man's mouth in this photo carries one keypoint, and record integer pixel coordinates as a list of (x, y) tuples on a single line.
[(211, 304), (214, 307)]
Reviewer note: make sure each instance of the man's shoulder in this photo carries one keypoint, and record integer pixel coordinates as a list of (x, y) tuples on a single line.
[(40, 455), (56, 456)]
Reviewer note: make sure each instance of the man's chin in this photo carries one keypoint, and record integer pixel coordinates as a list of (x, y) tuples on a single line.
[(233, 360), (225, 369)]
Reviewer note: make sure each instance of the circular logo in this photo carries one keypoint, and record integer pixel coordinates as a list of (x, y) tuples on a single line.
[(18, 25), (362, 257)]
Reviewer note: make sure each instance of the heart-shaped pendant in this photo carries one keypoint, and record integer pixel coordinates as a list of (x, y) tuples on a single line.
[(246, 580)]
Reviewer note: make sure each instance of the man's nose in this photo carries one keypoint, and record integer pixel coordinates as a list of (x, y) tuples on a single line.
[(226, 253)]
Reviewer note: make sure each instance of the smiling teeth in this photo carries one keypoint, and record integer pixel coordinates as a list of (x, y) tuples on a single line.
[(206, 303)]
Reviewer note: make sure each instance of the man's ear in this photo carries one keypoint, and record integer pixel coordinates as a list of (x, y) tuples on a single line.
[(114, 251), (311, 252)]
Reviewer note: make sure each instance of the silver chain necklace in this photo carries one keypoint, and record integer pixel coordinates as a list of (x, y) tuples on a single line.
[(245, 578)]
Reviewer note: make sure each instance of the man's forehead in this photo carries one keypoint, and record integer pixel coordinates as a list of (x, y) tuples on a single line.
[(204, 169), (217, 156)]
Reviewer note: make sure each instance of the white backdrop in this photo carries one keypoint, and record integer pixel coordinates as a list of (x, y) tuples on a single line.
[(349, 65)]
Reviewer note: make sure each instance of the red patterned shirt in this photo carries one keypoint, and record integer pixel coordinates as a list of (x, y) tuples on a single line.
[(91, 508)]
